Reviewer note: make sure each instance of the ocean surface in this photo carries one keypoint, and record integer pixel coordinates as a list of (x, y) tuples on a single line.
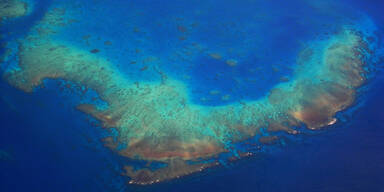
[(225, 53)]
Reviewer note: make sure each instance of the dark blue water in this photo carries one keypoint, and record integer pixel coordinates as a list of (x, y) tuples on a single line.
[(52, 147)]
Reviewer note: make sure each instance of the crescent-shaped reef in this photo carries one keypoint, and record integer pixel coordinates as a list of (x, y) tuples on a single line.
[(157, 122)]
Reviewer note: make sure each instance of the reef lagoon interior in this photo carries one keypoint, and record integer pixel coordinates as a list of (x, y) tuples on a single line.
[(151, 95)]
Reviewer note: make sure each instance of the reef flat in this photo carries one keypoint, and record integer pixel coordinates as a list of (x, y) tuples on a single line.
[(157, 121), (12, 8)]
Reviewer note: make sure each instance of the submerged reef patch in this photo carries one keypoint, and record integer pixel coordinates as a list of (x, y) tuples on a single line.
[(5, 156), (12, 8)]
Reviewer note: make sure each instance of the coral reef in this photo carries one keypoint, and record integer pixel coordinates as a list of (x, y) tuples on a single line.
[(158, 122)]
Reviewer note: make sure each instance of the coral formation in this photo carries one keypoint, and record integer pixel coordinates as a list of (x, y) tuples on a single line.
[(158, 122), (12, 8)]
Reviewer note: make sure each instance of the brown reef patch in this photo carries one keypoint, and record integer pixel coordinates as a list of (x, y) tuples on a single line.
[(320, 103), (269, 140), (161, 149), (176, 168)]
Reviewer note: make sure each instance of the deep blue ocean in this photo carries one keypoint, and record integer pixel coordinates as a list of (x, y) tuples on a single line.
[(47, 145)]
